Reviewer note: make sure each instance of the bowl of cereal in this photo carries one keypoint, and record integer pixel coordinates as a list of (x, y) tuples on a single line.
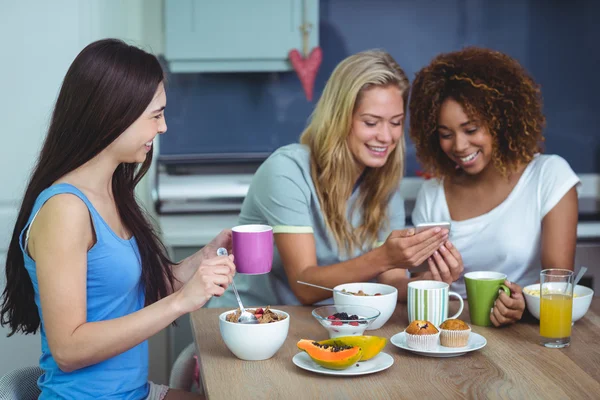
[(345, 320), (377, 295), (582, 298), (255, 342)]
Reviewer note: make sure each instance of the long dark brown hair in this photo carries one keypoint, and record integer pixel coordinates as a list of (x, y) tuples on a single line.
[(108, 86)]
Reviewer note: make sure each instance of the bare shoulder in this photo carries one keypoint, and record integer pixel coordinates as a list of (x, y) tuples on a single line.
[(63, 220)]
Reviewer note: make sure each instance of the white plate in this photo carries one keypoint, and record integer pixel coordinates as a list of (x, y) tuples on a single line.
[(476, 342), (378, 363)]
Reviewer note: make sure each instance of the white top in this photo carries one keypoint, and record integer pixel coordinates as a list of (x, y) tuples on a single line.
[(506, 239)]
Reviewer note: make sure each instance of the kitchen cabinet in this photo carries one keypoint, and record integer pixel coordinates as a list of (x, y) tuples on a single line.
[(236, 35)]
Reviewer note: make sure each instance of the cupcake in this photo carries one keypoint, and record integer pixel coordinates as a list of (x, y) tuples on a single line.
[(454, 333), (422, 335)]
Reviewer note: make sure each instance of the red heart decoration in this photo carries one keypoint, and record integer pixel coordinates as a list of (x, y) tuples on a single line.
[(424, 175), (307, 68)]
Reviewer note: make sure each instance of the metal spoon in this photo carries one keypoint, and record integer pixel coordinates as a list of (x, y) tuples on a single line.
[(245, 316), (324, 288), (579, 275)]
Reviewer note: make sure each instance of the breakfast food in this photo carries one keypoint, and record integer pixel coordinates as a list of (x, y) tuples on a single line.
[(454, 324), (370, 345), (342, 318), (342, 324), (454, 333), (360, 293), (422, 335), (264, 316), (331, 356), (418, 327), (536, 292)]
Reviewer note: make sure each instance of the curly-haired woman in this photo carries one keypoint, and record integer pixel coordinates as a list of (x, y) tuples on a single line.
[(334, 196), (476, 121)]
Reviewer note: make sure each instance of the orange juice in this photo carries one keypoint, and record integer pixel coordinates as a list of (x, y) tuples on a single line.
[(555, 315)]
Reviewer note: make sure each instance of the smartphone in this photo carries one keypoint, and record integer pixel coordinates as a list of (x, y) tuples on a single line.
[(423, 227)]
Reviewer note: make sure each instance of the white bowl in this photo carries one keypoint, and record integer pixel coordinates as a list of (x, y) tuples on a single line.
[(254, 342), (385, 302), (341, 326), (581, 303)]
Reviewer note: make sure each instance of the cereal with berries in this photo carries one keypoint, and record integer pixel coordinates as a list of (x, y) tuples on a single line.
[(360, 293), (264, 316)]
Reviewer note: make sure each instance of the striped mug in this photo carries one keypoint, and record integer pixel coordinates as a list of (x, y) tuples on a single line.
[(428, 300)]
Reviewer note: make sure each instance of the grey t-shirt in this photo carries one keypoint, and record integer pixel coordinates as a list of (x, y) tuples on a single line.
[(282, 195)]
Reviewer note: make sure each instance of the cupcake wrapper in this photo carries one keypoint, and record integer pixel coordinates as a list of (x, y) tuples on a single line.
[(422, 342), (454, 338)]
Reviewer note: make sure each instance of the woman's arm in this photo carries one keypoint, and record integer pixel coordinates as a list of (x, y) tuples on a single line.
[(559, 237), (60, 238), (559, 233), (299, 259)]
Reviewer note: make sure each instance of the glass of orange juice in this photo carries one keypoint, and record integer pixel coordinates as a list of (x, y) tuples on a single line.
[(556, 307)]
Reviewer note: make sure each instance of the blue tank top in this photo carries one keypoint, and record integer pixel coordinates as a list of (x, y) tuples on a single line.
[(114, 289)]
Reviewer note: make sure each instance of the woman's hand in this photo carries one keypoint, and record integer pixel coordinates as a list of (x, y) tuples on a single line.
[(508, 310), (184, 270), (212, 278), (445, 264), (405, 249), (223, 239)]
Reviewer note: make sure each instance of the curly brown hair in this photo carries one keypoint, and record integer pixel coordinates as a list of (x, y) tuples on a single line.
[(491, 87)]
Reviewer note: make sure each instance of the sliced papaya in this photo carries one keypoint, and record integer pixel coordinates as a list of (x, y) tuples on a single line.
[(370, 345), (331, 357)]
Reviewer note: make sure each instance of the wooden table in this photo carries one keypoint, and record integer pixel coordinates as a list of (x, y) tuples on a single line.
[(511, 365)]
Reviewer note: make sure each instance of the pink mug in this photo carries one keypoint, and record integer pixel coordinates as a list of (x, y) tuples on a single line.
[(253, 248)]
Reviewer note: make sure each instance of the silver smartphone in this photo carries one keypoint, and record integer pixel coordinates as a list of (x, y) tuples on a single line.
[(423, 227), (428, 225)]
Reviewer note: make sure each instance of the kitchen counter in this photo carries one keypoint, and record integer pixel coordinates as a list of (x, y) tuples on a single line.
[(195, 230), (195, 208)]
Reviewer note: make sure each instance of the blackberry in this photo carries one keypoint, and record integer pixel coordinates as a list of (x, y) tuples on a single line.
[(343, 316)]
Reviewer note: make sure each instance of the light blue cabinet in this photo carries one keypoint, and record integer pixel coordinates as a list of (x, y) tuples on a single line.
[(236, 35)]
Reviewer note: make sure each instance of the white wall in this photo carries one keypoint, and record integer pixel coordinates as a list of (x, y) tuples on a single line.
[(39, 40)]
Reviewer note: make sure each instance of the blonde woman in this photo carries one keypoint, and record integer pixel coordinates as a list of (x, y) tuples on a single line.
[(334, 197)]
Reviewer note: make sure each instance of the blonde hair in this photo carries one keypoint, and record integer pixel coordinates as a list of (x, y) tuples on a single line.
[(333, 167)]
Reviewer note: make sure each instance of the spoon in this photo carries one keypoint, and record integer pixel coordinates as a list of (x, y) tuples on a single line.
[(245, 316), (324, 288), (579, 275)]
